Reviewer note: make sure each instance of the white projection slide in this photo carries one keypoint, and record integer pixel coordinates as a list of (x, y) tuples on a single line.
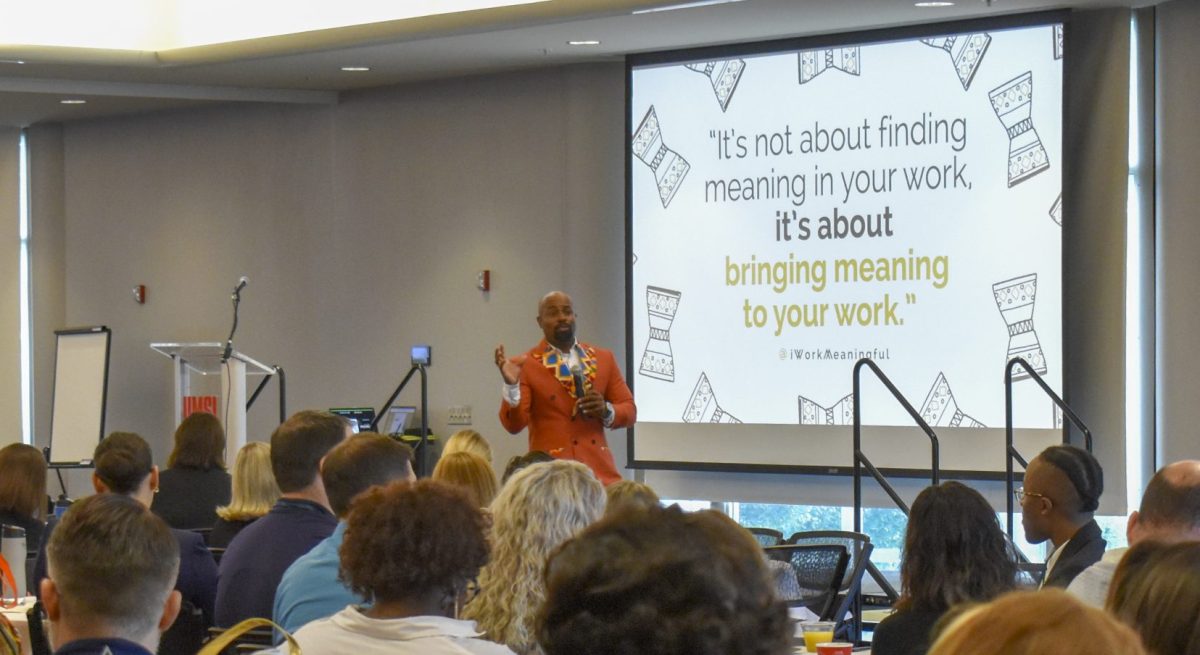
[(794, 211)]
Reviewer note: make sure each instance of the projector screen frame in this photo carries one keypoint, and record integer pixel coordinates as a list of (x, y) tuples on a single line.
[(862, 37)]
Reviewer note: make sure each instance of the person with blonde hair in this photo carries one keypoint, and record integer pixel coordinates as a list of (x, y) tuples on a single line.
[(1037, 623), (23, 491), (539, 508), (195, 482), (468, 441), (254, 493), (470, 472), (1156, 591)]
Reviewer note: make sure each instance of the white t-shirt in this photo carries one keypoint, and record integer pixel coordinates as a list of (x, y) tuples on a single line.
[(1091, 585), (351, 631)]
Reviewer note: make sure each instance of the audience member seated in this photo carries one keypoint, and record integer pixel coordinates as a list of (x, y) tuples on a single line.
[(414, 549), (1170, 512), (468, 441), (1156, 591), (518, 462), (1048, 622), (195, 482), (254, 493), (310, 588), (256, 559), (542, 506), (1061, 492), (23, 491), (112, 566), (665, 582), (627, 494), (124, 465), (954, 552), (470, 472)]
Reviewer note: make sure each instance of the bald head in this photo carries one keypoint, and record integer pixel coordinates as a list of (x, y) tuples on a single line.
[(1170, 509), (556, 317)]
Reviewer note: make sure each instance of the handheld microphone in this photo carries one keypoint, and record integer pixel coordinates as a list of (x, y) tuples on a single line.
[(242, 282), (236, 297)]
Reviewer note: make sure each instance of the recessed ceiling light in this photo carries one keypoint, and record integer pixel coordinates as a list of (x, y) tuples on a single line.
[(356, 69), (73, 101), (934, 4), (584, 42)]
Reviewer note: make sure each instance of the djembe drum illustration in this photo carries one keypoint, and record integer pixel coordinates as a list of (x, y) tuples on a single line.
[(941, 410), (815, 62), (669, 168), (966, 52), (702, 407), (1056, 210), (1013, 104), (1015, 298), (724, 76), (813, 413), (657, 360)]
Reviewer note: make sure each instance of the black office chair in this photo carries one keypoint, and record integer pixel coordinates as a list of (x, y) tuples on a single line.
[(849, 603), (187, 634), (767, 536), (216, 553), (816, 574), (39, 642), (203, 532), (249, 642)]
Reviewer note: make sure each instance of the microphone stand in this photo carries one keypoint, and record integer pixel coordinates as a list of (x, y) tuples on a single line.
[(237, 298)]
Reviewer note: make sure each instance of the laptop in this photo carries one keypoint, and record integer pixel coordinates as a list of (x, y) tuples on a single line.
[(398, 419), (360, 418)]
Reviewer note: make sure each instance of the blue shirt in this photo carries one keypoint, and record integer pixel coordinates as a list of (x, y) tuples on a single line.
[(257, 557), (310, 588)]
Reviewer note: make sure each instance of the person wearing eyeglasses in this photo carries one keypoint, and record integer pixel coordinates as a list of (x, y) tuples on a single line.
[(1060, 495)]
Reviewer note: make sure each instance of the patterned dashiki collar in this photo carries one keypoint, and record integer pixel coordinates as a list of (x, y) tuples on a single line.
[(560, 366)]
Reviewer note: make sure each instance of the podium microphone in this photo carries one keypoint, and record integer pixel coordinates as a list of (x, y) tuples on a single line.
[(237, 298)]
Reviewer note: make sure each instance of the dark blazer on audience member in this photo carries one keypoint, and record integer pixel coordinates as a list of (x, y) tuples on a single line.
[(197, 579), (1081, 551), (188, 498), (253, 565), (33, 528), (224, 531), (905, 632)]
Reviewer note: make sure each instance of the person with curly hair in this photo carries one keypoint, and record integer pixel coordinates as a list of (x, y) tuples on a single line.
[(1036, 623), (656, 581), (412, 549), (542, 506), (954, 552)]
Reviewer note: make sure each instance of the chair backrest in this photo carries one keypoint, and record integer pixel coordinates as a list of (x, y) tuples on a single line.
[(252, 640), (187, 634), (767, 536), (39, 641), (216, 553), (817, 572), (203, 532), (859, 548)]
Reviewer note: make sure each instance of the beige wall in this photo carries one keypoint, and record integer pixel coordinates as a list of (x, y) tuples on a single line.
[(1178, 229), (361, 228), (10, 322)]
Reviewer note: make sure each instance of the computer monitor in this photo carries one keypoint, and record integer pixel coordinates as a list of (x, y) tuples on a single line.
[(398, 419), (360, 418)]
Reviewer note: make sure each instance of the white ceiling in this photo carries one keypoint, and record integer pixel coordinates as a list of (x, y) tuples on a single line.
[(305, 68)]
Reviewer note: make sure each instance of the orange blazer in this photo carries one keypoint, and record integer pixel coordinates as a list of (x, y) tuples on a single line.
[(546, 407)]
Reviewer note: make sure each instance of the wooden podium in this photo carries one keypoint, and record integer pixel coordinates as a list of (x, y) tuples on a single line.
[(198, 367)]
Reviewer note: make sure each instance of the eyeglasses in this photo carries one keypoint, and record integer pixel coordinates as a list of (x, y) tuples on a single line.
[(1020, 495)]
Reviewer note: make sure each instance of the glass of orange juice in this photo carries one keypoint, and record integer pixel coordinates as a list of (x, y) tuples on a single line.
[(816, 632)]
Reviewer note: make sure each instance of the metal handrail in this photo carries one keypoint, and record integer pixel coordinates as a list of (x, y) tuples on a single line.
[(278, 374), (1010, 450), (861, 460)]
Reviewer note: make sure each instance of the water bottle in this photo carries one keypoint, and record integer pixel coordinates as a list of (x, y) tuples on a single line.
[(12, 546)]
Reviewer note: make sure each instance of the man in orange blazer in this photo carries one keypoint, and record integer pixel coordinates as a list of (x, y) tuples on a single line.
[(567, 392)]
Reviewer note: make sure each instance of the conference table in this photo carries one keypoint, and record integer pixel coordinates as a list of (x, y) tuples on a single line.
[(16, 616)]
